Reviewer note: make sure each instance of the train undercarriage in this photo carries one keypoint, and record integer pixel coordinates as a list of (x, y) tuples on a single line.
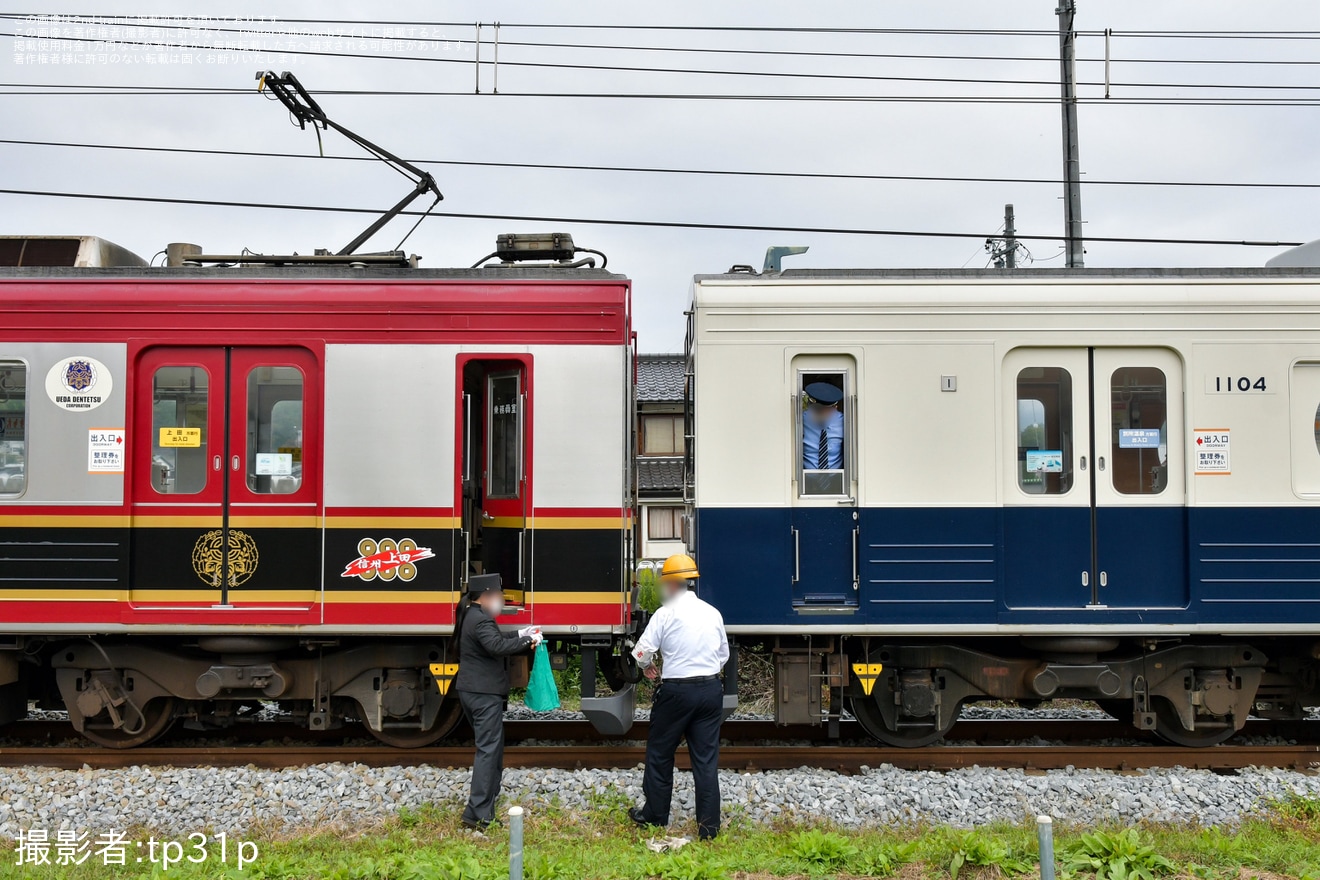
[(1189, 693), (126, 692)]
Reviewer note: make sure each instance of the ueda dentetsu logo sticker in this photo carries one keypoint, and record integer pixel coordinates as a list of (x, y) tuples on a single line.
[(79, 384), (387, 559)]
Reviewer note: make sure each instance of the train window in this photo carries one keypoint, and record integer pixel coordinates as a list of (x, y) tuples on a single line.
[(178, 430), (504, 441), (13, 428), (1317, 428), (1138, 435), (1044, 414), (275, 430), (824, 424)]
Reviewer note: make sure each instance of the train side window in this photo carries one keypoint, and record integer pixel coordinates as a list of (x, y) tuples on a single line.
[(1138, 435), (178, 430), (1044, 427), (275, 430), (504, 443), (824, 423), (13, 428)]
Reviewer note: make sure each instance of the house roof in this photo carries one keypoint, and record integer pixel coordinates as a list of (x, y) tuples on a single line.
[(660, 475), (660, 378)]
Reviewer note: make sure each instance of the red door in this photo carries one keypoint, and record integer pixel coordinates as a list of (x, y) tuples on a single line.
[(226, 489), (493, 469)]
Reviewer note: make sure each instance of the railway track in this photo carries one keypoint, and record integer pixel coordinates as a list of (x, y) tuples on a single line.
[(980, 731), (1071, 743), (845, 759)]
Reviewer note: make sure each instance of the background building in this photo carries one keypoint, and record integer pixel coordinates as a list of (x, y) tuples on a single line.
[(660, 454)]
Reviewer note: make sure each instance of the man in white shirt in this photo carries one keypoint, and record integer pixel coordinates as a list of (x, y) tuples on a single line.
[(689, 635)]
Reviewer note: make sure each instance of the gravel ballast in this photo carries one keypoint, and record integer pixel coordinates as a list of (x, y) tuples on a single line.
[(325, 797)]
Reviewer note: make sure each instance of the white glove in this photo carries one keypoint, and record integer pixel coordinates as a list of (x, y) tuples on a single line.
[(537, 638), (528, 631)]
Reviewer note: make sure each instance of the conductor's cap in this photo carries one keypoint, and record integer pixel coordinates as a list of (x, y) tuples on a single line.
[(824, 393), (485, 583)]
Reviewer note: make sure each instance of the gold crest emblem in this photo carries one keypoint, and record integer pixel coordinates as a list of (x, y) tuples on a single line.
[(208, 557)]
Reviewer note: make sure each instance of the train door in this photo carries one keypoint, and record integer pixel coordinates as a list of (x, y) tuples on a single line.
[(1047, 507), (226, 496), (825, 527), (494, 480), (1140, 510), (1094, 515)]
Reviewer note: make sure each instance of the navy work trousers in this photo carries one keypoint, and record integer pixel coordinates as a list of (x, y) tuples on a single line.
[(694, 710), (485, 712)]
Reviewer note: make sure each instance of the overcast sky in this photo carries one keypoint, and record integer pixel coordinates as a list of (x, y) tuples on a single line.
[(1118, 141)]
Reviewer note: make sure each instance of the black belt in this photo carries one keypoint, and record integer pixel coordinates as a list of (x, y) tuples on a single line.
[(692, 680)]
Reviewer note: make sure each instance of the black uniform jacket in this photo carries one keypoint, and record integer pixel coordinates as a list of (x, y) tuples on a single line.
[(483, 652)]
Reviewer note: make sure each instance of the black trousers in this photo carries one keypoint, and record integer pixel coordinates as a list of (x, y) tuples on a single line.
[(485, 712), (694, 710)]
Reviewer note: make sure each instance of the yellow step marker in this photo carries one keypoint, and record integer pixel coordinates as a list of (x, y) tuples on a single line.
[(867, 673), (444, 675)]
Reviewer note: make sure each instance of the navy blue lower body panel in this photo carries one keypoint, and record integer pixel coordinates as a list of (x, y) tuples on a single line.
[(950, 567), (930, 565), (1258, 565), (1046, 550)]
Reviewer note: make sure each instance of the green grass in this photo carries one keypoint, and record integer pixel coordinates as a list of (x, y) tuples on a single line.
[(427, 844)]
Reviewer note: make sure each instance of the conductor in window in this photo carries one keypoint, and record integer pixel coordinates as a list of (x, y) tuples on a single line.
[(482, 683), (822, 435)]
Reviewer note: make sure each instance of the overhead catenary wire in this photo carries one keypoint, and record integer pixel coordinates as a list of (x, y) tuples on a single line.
[(663, 224), (716, 72), (639, 169), (158, 24), (53, 90)]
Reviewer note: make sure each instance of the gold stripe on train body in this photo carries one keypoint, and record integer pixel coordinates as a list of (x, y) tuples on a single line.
[(585, 523), (109, 594), (391, 597)]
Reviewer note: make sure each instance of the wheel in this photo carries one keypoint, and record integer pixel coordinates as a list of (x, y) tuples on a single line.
[(157, 717), (867, 713), (1169, 728), (451, 712), (620, 671)]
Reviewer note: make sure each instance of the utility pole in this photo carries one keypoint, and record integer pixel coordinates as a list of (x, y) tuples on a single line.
[(1010, 239), (1072, 172), (1003, 251)]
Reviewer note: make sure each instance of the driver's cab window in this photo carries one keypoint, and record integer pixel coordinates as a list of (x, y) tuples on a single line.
[(824, 423)]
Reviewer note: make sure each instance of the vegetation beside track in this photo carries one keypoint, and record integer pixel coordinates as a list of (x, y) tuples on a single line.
[(1281, 841)]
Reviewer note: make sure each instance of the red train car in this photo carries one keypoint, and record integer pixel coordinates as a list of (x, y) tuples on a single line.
[(226, 487)]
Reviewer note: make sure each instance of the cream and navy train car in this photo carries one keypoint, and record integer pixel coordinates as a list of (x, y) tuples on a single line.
[(223, 486), (1092, 484)]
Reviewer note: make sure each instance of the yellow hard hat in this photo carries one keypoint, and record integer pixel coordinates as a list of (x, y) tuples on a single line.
[(679, 567)]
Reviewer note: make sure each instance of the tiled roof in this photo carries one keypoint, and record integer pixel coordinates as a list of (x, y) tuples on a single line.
[(660, 378), (658, 476)]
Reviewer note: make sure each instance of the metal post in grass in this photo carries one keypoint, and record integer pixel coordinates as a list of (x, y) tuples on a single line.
[(516, 844), (1044, 834)]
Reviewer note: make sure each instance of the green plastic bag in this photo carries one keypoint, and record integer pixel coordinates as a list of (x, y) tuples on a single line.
[(542, 692)]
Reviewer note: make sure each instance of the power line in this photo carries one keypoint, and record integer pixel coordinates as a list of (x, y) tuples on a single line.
[(53, 90), (614, 68), (637, 169), (665, 224), (541, 44), (974, 32)]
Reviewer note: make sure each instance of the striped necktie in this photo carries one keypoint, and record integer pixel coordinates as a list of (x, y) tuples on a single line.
[(823, 451)]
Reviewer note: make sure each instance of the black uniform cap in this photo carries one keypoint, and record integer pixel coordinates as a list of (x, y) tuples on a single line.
[(485, 583)]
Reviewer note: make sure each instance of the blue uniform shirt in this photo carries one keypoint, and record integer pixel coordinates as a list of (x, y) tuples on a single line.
[(811, 441)]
